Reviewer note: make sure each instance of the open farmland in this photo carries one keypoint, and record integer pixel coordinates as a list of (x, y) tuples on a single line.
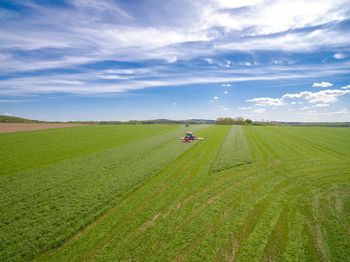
[(20, 127), (120, 193)]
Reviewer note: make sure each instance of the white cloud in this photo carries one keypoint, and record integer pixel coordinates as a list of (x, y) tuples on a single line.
[(245, 108), (269, 17), (321, 105), (174, 104), (339, 56), (324, 96), (322, 84), (216, 98), (259, 110), (290, 42), (103, 30), (67, 82), (225, 92), (266, 101), (113, 77), (346, 87), (51, 84), (237, 4), (7, 114), (321, 99), (209, 61), (171, 59)]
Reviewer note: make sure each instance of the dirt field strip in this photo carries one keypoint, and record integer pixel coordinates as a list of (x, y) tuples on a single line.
[(20, 127)]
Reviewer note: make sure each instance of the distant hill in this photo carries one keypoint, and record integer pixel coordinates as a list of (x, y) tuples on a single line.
[(169, 121), (15, 119), (281, 123), (154, 121)]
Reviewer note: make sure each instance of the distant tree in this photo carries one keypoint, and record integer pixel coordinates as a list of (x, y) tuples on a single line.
[(131, 122), (248, 121), (224, 121), (233, 121), (219, 121), (239, 121)]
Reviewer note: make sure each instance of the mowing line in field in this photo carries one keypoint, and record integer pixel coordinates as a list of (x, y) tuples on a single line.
[(234, 151), (30, 150), (69, 195)]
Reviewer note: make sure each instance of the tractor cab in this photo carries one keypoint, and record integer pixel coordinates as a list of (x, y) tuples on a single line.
[(189, 137)]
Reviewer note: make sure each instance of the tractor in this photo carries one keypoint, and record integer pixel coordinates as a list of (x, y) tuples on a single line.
[(189, 137)]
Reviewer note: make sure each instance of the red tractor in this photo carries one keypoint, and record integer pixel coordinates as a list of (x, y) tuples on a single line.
[(189, 137)]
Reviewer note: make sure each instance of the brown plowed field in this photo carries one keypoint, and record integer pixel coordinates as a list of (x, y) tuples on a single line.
[(18, 127)]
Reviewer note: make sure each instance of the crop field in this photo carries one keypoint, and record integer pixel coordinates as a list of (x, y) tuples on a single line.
[(17, 127), (137, 193)]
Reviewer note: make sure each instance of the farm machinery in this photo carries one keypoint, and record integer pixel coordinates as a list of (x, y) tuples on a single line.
[(189, 137)]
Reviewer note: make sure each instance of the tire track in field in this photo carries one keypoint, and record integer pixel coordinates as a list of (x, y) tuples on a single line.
[(262, 152), (231, 200), (261, 221), (313, 235), (313, 147), (222, 223), (328, 222)]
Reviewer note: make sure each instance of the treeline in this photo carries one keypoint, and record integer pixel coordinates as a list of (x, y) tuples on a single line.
[(233, 121), (147, 122)]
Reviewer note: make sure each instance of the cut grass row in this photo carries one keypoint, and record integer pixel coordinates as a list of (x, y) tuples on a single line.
[(23, 151), (41, 208), (234, 152)]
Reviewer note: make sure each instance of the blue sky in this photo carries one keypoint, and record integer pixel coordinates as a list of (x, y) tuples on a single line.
[(145, 59)]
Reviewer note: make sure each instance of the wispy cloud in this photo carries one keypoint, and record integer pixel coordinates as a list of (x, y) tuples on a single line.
[(98, 47), (101, 30), (339, 56), (266, 101), (324, 96), (322, 84), (259, 110), (318, 99)]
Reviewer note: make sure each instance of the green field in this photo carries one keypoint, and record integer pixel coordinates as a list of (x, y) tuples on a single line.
[(136, 193)]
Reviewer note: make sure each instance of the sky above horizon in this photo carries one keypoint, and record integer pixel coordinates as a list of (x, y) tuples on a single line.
[(145, 59)]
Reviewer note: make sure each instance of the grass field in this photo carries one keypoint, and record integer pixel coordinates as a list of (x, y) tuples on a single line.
[(136, 193)]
